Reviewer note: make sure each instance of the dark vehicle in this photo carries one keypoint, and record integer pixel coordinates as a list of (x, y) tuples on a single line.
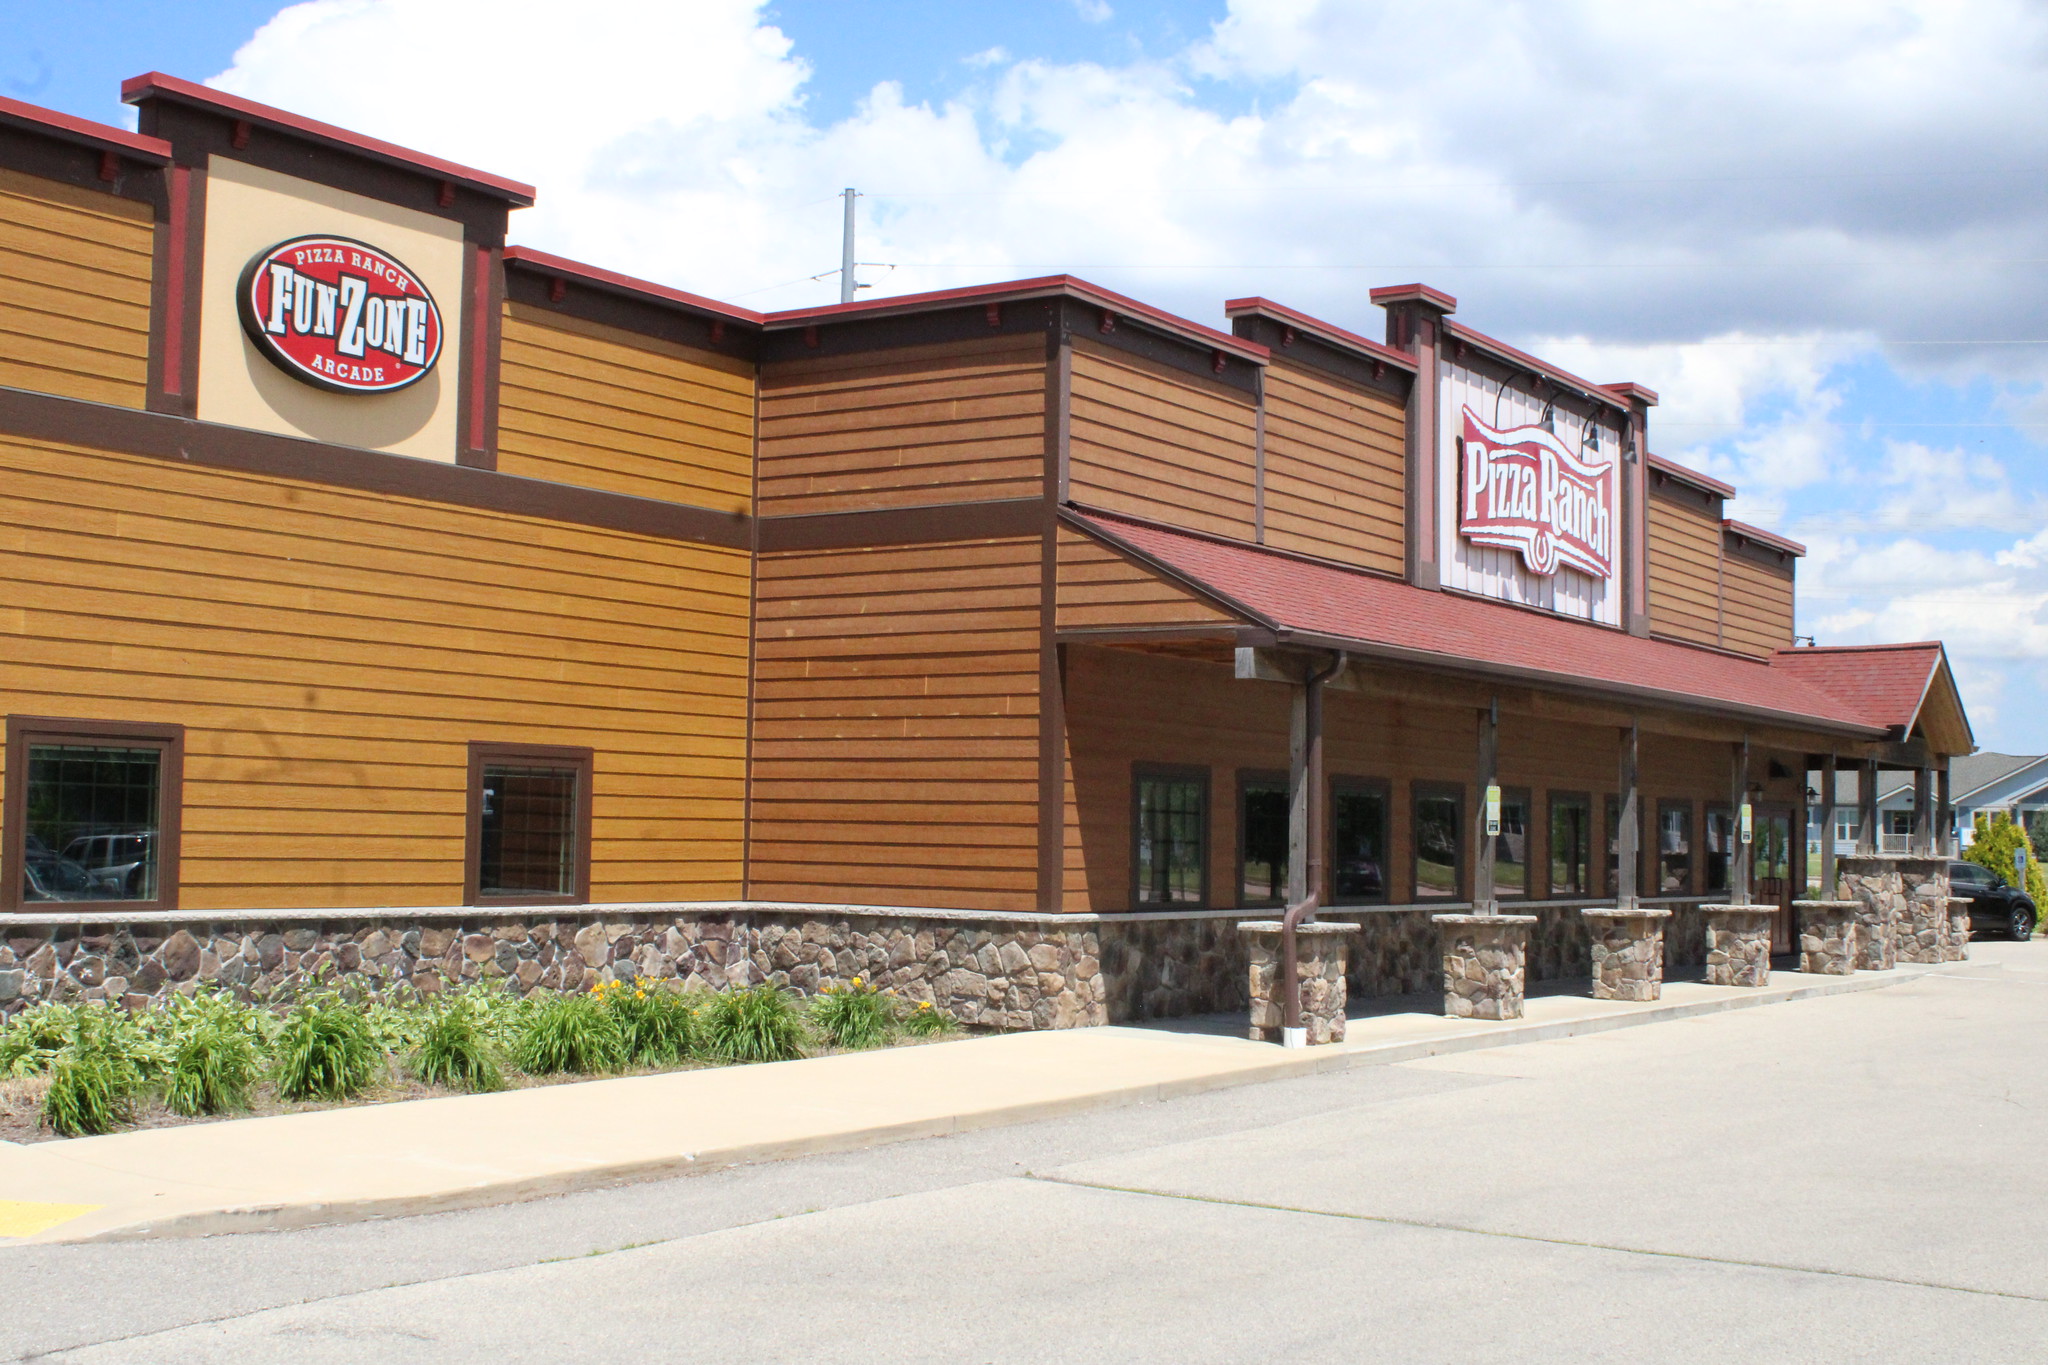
[(1994, 903), (119, 864), (48, 877)]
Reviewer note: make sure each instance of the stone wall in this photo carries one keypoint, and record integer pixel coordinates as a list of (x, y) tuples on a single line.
[(1484, 964), (1738, 944), (1922, 931), (1628, 953), (1321, 952), (1874, 882)]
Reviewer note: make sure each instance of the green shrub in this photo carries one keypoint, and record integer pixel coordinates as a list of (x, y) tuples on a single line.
[(855, 1016), (326, 1051), (929, 1021), (1994, 844), (211, 1069), (658, 1027), (455, 1048), (572, 1034), (758, 1024), (32, 1039), (94, 1077)]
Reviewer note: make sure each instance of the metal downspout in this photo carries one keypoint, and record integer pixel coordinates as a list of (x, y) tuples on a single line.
[(1292, 1032)]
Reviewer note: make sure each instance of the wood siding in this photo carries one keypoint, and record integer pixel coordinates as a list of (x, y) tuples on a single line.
[(1101, 589), (1336, 469), (896, 726), (960, 422), (332, 654), (74, 291), (1756, 606), (1684, 572), (586, 404), (1153, 442)]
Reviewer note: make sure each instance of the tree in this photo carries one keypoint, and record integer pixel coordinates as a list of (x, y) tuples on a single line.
[(1997, 840), (2037, 832)]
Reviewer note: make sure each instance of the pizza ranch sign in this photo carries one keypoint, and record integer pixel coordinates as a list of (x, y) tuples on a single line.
[(1523, 490), (341, 315)]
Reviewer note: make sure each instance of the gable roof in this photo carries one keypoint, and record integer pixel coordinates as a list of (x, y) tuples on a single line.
[(1904, 687), (1319, 604)]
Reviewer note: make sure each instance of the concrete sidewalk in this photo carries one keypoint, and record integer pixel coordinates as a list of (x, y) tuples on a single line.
[(424, 1156)]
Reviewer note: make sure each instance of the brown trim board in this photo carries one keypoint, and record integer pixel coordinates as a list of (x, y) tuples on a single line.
[(1052, 716), (126, 431), (1000, 519)]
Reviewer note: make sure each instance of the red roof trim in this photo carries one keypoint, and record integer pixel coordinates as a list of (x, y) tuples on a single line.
[(1044, 286), (1763, 537), (1413, 293), (1628, 388), (156, 85), (1322, 331), (1501, 350), (625, 284), (1704, 482), (153, 150)]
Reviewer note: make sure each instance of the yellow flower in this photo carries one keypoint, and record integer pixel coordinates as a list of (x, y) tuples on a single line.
[(639, 995), (856, 981)]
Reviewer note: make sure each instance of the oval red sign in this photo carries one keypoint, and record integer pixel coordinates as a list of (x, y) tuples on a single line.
[(340, 314)]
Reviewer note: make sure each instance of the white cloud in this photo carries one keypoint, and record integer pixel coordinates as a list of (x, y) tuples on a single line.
[(1094, 11)]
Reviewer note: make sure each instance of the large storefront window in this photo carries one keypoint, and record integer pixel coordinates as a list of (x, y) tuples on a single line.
[(1262, 840), (1571, 846), (1172, 819), (1439, 843), (1511, 845), (1358, 841), (1720, 840), (89, 810), (529, 824), (1674, 848)]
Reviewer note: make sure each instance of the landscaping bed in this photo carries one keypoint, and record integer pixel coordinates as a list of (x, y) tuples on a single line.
[(69, 1070)]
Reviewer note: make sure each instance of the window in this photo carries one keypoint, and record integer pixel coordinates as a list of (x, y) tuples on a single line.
[(1720, 842), (1358, 841), (1571, 845), (1848, 829), (1171, 828), (1674, 848), (1439, 842), (1511, 845), (1261, 839), (529, 824), (91, 813), (1898, 832)]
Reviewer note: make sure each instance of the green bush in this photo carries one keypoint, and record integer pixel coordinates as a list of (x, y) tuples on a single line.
[(929, 1021), (758, 1024), (32, 1039), (94, 1077), (211, 1069), (659, 1026), (1995, 842), (455, 1048), (855, 1016), (326, 1051), (572, 1034)]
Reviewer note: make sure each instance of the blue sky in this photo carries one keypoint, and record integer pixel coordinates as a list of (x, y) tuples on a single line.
[(1817, 230)]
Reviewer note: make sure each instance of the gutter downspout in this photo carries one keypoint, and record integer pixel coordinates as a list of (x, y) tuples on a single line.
[(1292, 1032)]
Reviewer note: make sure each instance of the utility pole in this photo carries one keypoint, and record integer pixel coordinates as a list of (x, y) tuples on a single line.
[(846, 251)]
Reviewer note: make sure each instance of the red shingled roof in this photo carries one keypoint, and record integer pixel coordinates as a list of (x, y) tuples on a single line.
[(1313, 602), (1883, 684)]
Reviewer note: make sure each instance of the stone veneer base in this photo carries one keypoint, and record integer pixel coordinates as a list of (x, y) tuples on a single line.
[(1739, 944), (1827, 937), (1484, 964), (1322, 952), (1628, 952)]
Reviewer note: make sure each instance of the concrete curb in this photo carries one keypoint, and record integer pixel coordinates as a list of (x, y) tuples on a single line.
[(277, 1217)]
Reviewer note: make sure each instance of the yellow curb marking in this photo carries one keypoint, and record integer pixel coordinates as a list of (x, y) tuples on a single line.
[(27, 1217)]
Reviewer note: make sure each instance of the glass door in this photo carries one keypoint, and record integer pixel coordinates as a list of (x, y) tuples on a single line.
[(1770, 876)]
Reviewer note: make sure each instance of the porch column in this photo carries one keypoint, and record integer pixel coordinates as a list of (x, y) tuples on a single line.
[(1739, 835), (1302, 755), (1628, 837), (1486, 812), (1827, 828), (1945, 816), (1866, 808), (1923, 812)]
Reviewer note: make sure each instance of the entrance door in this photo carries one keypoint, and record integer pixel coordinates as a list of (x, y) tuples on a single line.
[(1770, 875)]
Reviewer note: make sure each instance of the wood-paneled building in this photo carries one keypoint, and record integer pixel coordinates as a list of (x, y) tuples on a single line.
[(1000, 602)]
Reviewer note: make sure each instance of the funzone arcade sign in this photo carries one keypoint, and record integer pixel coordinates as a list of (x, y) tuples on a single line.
[(340, 315), (1521, 489)]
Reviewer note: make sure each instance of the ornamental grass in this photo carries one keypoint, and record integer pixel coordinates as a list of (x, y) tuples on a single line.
[(854, 1016), (754, 1024)]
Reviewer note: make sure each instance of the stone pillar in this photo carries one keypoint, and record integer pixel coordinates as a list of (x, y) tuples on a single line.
[(1628, 952), (1485, 961), (1323, 953), (1957, 949), (1922, 930), (1738, 944), (1827, 937), (1872, 881)]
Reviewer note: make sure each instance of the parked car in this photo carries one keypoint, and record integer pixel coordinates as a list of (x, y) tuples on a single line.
[(118, 863), (48, 877), (1994, 903)]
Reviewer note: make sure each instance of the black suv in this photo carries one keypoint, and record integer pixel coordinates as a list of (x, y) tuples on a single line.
[(1993, 902)]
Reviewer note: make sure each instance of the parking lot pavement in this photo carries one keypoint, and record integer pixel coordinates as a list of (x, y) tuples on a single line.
[(1852, 1178)]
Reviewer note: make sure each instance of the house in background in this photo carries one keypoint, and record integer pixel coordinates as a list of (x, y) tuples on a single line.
[(1978, 783)]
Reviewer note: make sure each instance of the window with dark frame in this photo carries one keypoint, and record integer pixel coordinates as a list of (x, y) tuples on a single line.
[(1261, 839), (529, 823), (1511, 845), (1171, 836), (1718, 843), (1358, 841), (1571, 846), (1439, 842), (91, 813), (1674, 848)]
